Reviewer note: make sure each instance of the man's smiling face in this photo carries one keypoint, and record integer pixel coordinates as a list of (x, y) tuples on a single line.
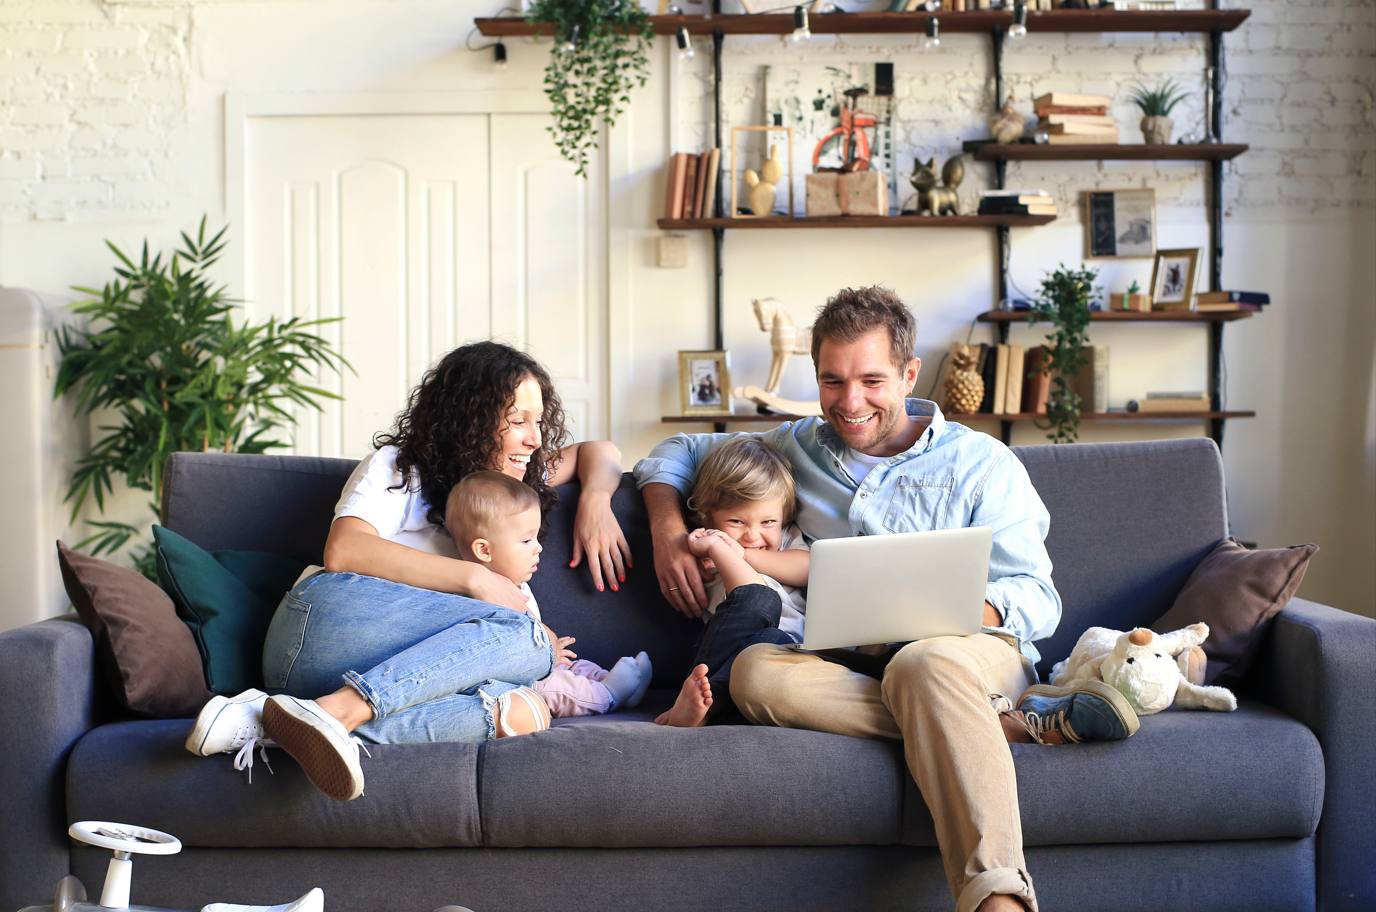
[(862, 392)]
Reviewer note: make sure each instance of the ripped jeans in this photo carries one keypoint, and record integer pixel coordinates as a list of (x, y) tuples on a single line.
[(432, 665)]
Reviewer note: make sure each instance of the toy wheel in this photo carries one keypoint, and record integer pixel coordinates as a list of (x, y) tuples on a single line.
[(122, 837)]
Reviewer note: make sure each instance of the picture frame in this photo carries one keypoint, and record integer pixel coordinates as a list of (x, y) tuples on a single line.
[(1173, 278), (736, 169), (704, 382), (1120, 223)]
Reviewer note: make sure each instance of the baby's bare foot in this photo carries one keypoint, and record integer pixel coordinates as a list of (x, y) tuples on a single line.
[(690, 709)]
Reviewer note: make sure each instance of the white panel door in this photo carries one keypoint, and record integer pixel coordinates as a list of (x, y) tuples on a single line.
[(388, 221)]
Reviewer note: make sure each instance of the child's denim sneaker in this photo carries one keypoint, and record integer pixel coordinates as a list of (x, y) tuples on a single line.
[(232, 724), (1083, 711), (319, 742)]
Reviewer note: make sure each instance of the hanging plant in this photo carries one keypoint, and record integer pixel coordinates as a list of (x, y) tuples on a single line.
[(176, 373), (1065, 304), (600, 54)]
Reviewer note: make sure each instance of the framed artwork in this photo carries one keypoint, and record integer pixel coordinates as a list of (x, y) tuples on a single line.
[(704, 382), (1120, 223), (1172, 279)]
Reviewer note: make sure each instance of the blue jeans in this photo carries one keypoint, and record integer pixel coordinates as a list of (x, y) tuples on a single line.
[(430, 664)]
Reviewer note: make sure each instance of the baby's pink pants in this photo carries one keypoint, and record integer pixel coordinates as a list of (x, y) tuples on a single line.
[(576, 690)]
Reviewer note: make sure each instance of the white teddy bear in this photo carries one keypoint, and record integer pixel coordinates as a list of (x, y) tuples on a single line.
[(1151, 671)]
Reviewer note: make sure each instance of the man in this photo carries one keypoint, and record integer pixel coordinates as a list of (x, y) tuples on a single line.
[(879, 463)]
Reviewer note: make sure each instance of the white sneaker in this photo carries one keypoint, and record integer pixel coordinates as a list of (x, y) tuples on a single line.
[(314, 901), (318, 741), (232, 724)]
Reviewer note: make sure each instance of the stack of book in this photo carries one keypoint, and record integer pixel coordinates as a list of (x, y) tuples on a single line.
[(1070, 119), (1017, 202), (691, 184), (1231, 300), (1175, 402)]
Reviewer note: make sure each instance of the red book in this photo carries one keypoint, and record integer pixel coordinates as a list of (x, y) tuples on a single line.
[(700, 195), (675, 172), (1071, 109), (690, 186), (1036, 387)]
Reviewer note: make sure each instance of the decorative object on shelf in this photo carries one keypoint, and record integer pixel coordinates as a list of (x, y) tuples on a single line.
[(1209, 301), (762, 185), (704, 382), (1006, 125), (1064, 302), (1156, 105), (671, 252), (1017, 202), (599, 55), (735, 169), (786, 338), (849, 133), (178, 374), (964, 389), (822, 196), (1132, 299), (1120, 223), (934, 200), (1173, 278), (862, 193)]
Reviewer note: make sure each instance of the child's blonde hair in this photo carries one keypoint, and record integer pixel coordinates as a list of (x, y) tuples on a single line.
[(479, 500), (742, 470)]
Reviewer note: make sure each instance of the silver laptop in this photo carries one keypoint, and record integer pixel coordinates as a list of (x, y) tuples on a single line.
[(896, 588)]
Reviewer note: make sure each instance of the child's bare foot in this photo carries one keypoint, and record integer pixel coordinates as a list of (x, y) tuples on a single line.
[(690, 709)]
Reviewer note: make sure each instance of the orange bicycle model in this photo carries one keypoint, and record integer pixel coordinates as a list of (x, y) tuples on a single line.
[(855, 144)]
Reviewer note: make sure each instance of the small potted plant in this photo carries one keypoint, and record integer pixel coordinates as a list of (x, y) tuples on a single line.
[(1066, 301), (1132, 299), (1156, 105)]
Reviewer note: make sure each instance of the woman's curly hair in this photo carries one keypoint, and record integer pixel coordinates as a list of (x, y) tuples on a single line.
[(452, 419)]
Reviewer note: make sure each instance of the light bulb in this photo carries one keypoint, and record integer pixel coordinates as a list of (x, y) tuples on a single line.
[(1019, 29), (685, 43), (933, 39), (801, 32), (571, 39), (499, 55)]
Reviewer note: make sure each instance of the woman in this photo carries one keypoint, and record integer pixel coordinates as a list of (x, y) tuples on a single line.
[(430, 648)]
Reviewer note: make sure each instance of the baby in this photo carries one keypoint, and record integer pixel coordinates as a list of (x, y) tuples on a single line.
[(743, 498), (495, 521)]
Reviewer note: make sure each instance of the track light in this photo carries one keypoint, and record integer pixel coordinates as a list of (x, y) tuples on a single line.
[(933, 39), (685, 43), (801, 32), (499, 55), (1019, 29), (571, 39)]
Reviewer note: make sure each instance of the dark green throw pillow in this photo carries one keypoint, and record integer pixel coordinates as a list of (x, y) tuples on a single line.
[(227, 598)]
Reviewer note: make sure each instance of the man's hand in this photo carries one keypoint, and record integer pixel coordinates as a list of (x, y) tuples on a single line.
[(496, 589), (562, 654), (992, 618), (680, 577)]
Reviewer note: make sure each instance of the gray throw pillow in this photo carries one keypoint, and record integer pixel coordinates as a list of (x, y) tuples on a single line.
[(145, 651), (1236, 592)]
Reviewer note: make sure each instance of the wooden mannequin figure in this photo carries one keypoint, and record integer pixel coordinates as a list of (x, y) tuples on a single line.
[(762, 185)]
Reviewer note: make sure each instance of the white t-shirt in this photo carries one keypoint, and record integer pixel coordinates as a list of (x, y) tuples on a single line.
[(398, 516), (858, 464), (793, 598)]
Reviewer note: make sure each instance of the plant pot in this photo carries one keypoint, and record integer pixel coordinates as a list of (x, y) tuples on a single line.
[(1157, 130)]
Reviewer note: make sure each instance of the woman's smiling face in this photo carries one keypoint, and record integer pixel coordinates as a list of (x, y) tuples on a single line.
[(519, 434)]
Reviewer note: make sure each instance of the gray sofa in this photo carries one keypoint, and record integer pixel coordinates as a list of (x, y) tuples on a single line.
[(1270, 807)]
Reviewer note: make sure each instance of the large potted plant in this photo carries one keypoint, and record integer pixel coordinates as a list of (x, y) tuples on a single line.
[(164, 355), (1066, 296), (599, 55)]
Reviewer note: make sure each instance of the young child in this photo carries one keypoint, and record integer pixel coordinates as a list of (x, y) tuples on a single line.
[(495, 520), (743, 498)]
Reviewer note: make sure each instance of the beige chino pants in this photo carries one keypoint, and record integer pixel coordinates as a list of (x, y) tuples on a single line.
[(941, 698)]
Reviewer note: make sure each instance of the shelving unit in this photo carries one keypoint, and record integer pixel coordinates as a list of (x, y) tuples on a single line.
[(1214, 22)]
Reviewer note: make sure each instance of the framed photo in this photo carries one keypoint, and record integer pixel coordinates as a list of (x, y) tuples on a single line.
[(704, 382), (1120, 223), (1172, 279)]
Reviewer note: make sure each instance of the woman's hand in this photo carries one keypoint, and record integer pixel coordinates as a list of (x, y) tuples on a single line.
[(598, 535), (486, 586)]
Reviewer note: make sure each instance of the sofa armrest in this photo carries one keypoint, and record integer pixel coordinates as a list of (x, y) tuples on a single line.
[(47, 698), (1318, 664)]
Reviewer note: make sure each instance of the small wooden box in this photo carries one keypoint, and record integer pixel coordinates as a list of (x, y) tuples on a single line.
[(1129, 302), (822, 199), (863, 193)]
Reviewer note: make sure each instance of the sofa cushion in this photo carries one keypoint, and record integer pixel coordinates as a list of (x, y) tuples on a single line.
[(416, 795), (145, 652), (1236, 591)]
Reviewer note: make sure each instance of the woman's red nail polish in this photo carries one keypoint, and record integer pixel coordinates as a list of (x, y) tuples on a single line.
[(599, 588)]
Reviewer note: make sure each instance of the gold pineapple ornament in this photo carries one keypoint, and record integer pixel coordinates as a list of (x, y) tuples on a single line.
[(964, 389)]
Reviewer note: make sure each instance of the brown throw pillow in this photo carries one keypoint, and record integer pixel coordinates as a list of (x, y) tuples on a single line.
[(1236, 592), (145, 651)]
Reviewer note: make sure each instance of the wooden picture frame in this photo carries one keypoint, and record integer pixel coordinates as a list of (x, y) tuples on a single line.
[(1173, 278), (704, 382), (736, 171), (1120, 223)]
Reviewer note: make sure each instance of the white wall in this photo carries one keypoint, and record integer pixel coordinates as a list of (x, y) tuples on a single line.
[(112, 127)]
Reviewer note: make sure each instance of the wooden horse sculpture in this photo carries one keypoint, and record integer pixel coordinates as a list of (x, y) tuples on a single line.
[(786, 339)]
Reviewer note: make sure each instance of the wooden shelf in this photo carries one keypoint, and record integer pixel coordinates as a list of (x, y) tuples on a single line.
[(859, 221), (1113, 416), (880, 23), (745, 418), (1129, 316), (984, 150)]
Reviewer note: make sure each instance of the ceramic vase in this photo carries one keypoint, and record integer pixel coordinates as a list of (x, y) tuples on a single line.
[(1157, 130)]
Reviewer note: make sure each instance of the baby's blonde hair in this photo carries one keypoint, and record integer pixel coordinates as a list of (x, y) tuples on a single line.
[(479, 500), (742, 470)]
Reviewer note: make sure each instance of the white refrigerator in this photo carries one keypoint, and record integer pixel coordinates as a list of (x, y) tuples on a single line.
[(43, 442)]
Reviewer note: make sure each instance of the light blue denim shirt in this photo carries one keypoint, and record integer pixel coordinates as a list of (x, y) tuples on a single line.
[(950, 478)]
